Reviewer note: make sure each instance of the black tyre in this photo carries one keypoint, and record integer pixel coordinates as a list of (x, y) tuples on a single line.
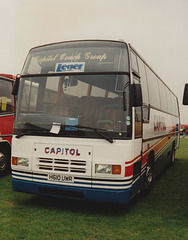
[(148, 176), (4, 164), (172, 160)]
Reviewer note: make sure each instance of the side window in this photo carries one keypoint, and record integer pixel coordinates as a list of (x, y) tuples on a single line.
[(6, 101), (162, 93), (144, 86), (134, 62), (174, 105), (153, 88), (29, 96), (169, 101), (138, 117)]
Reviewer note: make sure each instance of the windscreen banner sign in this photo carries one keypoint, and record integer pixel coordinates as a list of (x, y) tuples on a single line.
[(70, 67)]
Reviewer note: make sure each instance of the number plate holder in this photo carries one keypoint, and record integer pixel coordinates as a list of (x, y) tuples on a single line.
[(60, 178)]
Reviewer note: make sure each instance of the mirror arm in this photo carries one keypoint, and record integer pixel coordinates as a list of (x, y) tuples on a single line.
[(124, 101), (136, 75), (16, 86)]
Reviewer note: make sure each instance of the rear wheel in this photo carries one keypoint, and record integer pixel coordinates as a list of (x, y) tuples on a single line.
[(148, 176), (172, 161)]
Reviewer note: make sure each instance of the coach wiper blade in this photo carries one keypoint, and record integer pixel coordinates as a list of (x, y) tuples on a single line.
[(27, 133), (96, 130), (47, 131), (36, 131)]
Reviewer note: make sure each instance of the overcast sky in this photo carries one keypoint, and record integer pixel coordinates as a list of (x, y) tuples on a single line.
[(158, 29)]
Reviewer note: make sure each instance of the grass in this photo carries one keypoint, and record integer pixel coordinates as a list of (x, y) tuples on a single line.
[(163, 214)]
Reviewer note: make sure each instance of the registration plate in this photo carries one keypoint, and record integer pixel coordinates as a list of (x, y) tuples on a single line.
[(60, 178)]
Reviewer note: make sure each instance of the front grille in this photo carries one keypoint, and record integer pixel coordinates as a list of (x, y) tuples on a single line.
[(62, 165)]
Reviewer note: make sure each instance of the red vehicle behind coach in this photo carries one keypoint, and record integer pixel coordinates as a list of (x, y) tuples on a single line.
[(6, 121)]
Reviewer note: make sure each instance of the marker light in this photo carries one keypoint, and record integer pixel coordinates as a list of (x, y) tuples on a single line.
[(116, 169), (14, 160)]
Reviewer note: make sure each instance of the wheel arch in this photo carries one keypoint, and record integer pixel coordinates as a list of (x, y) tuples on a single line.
[(151, 157)]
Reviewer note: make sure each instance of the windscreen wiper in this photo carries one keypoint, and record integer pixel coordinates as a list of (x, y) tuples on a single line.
[(96, 130), (44, 130), (27, 133)]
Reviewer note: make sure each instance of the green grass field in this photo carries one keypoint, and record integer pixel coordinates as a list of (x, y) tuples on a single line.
[(162, 214)]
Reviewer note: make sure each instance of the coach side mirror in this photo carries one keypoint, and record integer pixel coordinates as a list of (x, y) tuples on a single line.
[(136, 95), (185, 95), (16, 86)]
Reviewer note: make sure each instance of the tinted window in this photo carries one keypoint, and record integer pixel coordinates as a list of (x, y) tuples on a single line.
[(174, 104), (143, 81), (169, 100), (89, 100), (138, 117), (153, 88), (6, 101), (78, 56), (134, 62), (162, 94), (144, 86)]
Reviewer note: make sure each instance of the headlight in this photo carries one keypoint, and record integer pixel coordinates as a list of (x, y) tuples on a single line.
[(108, 169), (19, 161), (103, 168)]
